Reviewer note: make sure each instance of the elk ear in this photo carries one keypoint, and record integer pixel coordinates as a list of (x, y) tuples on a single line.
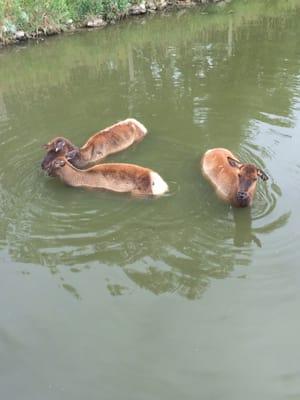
[(59, 145), (234, 163), (45, 146), (262, 175)]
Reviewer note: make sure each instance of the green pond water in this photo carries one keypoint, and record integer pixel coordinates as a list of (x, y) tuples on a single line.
[(104, 296)]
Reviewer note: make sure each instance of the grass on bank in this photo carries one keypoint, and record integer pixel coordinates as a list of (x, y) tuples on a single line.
[(51, 16)]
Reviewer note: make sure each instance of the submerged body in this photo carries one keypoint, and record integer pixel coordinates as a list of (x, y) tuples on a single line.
[(108, 141), (116, 177), (234, 182)]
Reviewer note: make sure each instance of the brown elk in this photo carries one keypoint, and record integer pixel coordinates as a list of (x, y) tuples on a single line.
[(233, 181), (126, 178), (108, 141)]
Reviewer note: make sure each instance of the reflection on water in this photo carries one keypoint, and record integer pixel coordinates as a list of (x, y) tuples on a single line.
[(205, 88), (243, 228)]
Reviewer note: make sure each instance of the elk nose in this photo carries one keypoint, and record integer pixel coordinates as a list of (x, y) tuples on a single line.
[(241, 195)]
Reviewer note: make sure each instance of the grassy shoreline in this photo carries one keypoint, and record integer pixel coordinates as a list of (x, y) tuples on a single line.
[(28, 19)]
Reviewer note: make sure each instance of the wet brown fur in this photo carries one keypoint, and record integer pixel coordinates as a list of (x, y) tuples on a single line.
[(230, 177), (108, 141), (128, 178)]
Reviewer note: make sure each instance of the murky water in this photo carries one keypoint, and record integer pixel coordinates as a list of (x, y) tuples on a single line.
[(106, 296)]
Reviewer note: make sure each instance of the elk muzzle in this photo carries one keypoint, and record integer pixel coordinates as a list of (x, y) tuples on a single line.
[(243, 199)]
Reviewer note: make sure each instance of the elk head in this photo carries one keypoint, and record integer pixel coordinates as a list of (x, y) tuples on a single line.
[(57, 147), (56, 165), (247, 175)]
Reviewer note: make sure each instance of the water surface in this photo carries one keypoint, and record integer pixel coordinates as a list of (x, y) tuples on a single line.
[(107, 296)]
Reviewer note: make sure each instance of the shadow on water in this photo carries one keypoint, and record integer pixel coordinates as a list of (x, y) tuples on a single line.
[(201, 89)]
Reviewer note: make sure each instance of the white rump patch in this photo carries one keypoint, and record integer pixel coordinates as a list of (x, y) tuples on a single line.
[(158, 185), (209, 151), (138, 124)]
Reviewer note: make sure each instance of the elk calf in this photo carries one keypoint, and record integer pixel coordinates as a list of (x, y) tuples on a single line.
[(233, 181), (108, 141), (124, 178)]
